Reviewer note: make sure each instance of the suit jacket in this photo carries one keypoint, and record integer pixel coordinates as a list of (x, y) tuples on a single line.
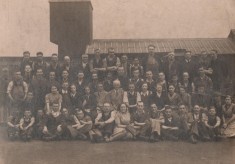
[(159, 101), (75, 100), (90, 102), (115, 97), (81, 88)]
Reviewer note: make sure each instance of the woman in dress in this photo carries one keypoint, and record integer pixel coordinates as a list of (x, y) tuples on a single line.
[(228, 116), (123, 129)]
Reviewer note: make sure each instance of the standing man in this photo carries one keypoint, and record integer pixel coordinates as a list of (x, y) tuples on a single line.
[(17, 91), (97, 65), (25, 61), (40, 64), (112, 62), (39, 88)]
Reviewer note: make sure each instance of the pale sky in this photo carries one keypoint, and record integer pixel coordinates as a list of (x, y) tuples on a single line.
[(24, 24)]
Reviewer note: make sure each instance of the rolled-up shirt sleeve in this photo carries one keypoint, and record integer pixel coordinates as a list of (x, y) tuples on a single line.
[(10, 87), (26, 88), (112, 118)]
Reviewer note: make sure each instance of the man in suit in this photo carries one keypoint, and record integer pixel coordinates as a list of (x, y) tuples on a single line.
[(115, 96)]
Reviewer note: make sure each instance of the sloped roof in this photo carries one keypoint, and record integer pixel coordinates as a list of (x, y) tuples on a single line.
[(137, 46)]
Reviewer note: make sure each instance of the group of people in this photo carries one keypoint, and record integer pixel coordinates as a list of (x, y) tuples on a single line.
[(106, 98)]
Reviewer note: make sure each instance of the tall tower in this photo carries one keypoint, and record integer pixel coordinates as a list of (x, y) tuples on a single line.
[(71, 26)]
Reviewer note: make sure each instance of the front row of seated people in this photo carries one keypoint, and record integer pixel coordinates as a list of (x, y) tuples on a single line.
[(111, 124)]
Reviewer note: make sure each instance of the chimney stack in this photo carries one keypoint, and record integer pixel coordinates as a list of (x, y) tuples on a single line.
[(71, 26)]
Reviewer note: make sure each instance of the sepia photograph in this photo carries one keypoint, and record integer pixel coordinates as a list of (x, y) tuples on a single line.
[(117, 81)]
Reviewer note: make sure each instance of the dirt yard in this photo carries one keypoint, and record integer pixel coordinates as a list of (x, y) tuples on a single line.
[(80, 152)]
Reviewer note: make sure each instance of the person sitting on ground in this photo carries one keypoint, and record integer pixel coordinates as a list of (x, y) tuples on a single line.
[(26, 125), (198, 129), (84, 124), (156, 119), (123, 129), (13, 124), (104, 124), (171, 126), (141, 122), (39, 124), (185, 123), (213, 123), (69, 125), (52, 129)]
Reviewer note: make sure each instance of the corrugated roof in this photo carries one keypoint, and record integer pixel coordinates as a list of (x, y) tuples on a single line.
[(136, 46)]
